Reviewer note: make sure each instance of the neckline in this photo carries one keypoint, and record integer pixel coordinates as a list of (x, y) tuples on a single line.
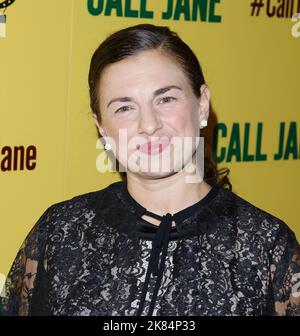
[(178, 216)]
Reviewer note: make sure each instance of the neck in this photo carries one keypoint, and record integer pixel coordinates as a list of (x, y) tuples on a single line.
[(169, 193)]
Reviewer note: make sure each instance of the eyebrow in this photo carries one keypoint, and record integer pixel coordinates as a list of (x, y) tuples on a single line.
[(155, 93)]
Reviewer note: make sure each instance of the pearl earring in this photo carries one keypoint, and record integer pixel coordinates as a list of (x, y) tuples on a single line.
[(107, 146), (203, 123)]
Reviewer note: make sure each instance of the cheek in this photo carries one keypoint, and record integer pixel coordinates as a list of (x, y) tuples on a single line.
[(121, 133), (116, 128), (184, 120)]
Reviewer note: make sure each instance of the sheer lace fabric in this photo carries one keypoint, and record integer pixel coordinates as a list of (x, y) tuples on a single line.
[(89, 255)]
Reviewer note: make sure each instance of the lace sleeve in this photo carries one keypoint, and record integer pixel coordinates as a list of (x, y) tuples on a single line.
[(285, 271), (19, 285)]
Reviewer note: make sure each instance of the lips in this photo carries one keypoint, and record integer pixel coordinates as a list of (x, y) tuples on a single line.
[(154, 147)]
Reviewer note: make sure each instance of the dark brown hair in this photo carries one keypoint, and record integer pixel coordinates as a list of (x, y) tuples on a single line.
[(132, 40)]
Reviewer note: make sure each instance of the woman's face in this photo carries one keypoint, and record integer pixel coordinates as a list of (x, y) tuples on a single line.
[(148, 98)]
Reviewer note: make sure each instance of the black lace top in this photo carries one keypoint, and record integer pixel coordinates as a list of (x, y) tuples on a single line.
[(94, 255)]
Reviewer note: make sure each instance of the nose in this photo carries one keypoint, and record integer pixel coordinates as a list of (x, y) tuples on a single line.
[(149, 121)]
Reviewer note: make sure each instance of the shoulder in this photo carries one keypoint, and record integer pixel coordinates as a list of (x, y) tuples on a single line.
[(79, 209), (252, 221), (86, 201)]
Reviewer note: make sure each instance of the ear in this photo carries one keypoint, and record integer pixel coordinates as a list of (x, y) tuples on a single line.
[(204, 105), (100, 129)]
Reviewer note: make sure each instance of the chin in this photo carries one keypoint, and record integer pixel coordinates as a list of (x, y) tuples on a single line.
[(156, 175)]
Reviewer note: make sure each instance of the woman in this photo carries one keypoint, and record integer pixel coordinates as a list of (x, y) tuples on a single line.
[(156, 244)]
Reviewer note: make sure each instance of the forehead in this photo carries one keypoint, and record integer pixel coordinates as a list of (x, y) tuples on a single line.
[(146, 69)]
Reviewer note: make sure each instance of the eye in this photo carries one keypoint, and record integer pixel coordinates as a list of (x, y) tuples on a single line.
[(123, 109), (167, 99)]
